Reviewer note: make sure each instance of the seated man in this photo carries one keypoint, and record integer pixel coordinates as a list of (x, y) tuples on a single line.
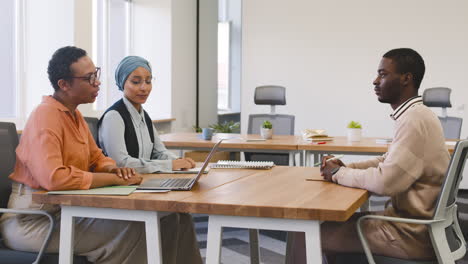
[(411, 172)]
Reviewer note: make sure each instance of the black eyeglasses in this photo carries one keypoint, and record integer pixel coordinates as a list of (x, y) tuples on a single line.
[(92, 78)]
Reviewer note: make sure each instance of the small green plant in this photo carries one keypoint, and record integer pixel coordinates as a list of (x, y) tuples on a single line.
[(226, 127), (267, 124), (197, 129), (354, 124)]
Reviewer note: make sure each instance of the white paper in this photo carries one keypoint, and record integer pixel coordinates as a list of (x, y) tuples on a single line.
[(151, 191)]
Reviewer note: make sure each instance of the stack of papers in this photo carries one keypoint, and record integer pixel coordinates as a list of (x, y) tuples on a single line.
[(316, 135), (383, 141), (111, 190)]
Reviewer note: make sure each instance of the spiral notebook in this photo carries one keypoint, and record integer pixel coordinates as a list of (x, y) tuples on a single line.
[(233, 164)]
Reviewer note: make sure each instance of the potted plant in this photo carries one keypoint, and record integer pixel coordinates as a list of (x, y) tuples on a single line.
[(266, 131), (354, 131), (197, 129), (225, 127)]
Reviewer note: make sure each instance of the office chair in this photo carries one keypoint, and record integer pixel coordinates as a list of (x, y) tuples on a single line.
[(8, 144), (282, 124), (440, 97), (444, 229), (93, 126)]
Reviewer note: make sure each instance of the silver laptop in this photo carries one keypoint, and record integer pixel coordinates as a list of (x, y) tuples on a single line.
[(178, 184)]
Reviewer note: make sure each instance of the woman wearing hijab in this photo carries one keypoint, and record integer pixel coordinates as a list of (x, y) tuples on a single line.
[(127, 135), (58, 152), (126, 132)]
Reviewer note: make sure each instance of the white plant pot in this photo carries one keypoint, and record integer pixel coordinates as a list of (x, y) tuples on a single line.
[(266, 133), (354, 134)]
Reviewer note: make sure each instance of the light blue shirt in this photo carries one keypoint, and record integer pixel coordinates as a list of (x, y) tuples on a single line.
[(151, 157)]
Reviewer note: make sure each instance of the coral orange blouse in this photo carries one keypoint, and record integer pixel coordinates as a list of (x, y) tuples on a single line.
[(57, 152)]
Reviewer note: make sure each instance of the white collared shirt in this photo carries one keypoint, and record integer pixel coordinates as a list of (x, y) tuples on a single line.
[(151, 157)]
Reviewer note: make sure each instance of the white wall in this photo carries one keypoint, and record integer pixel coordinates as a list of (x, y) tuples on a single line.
[(326, 54), (183, 64), (47, 28)]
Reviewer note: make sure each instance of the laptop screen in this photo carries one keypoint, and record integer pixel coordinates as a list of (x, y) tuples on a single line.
[(207, 160)]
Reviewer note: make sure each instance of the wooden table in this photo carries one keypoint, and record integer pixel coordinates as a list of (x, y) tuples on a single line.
[(278, 199), (233, 142), (341, 145)]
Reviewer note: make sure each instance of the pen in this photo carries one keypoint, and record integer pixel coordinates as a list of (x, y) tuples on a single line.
[(318, 143), (334, 158)]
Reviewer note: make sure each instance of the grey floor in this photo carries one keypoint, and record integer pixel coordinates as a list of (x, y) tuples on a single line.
[(236, 244)]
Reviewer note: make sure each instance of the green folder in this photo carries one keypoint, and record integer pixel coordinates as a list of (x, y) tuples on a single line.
[(111, 190)]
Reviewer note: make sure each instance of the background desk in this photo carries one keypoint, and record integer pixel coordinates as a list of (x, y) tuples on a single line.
[(233, 142), (279, 199)]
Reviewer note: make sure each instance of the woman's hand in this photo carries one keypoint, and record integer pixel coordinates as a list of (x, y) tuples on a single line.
[(181, 164), (135, 179), (101, 179), (125, 173)]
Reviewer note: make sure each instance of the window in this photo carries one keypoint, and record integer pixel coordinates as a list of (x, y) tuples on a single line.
[(223, 65), (8, 100), (111, 43), (229, 55)]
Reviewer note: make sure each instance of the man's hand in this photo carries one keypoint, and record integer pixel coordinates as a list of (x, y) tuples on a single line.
[(183, 164), (328, 166)]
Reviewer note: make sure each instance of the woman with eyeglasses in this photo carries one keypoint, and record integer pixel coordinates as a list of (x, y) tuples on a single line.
[(58, 152), (127, 135)]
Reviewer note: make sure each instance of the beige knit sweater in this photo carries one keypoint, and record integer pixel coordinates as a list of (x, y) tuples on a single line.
[(411, 172)]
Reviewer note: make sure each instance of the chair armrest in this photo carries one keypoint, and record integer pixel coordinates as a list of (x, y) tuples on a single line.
[(363, 239), (398, 219), (35, 212)]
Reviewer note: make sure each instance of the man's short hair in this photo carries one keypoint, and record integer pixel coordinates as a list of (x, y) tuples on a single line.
[(59, 64), (408, 61)]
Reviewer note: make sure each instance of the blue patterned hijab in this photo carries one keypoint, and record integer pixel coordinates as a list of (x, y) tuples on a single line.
[(127, 66)]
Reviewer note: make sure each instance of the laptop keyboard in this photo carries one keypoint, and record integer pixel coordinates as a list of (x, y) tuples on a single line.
[(175, 182)]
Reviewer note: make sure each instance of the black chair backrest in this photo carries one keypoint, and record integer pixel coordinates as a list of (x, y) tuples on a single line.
[(453, 177), (270, 95), (8, 144), (437, 97), (93, 126), (452, 126)]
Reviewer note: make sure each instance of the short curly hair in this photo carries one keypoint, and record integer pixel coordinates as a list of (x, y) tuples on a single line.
[(408, 61), (59, 64)]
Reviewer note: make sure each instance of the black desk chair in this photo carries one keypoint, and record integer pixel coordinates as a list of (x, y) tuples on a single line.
[(282, 124), (8, 144), (444, 229), (93, 126), (440, 97)]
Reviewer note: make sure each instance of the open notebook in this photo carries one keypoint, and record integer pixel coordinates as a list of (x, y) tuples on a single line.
[(189, 171), (233, 164)]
